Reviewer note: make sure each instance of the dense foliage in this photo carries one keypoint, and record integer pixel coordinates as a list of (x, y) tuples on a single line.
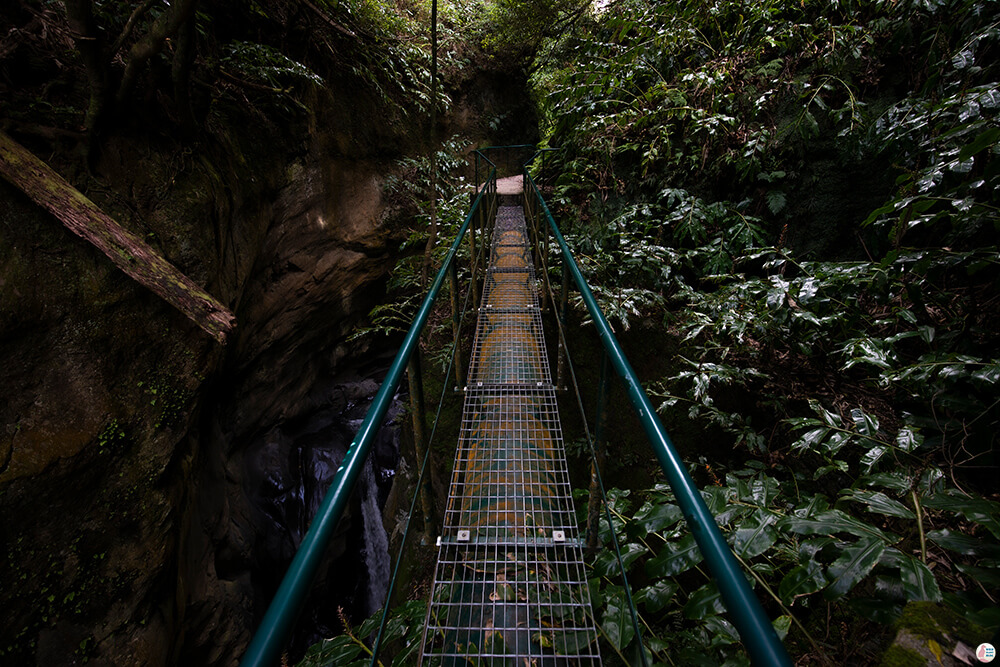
[(89, 70), (805, 195)]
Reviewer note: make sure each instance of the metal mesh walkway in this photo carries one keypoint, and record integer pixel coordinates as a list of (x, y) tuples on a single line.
[(510, 586)]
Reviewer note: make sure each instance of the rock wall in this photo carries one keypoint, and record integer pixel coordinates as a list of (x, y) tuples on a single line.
[(127, 535)]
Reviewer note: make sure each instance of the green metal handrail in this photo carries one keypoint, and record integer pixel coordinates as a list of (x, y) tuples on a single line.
[(751, 622), (269, 640)]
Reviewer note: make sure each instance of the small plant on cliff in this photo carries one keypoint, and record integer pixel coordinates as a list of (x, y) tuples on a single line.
[(400, 640)]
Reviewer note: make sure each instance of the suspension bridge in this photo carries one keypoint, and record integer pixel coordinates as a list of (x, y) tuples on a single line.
[(510, 585)]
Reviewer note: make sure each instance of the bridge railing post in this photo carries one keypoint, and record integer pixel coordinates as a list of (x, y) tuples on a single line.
[(474, 262), (600, 456), (415, 382), (561, 314), (456, 323), (544, 252)]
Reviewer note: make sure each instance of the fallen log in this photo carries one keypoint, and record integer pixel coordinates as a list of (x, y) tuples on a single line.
[(128, 252)]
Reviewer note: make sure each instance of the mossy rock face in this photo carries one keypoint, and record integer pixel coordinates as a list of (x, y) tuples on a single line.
[(897, 656), (928, 634), (933, 621)]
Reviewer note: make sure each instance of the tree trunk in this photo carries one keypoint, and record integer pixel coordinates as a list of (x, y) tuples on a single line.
[(187, 41), (432, 237), (90, 44), (129, 252), (152, 43)]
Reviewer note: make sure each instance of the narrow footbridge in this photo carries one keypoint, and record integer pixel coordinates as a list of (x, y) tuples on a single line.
[(510, 585)]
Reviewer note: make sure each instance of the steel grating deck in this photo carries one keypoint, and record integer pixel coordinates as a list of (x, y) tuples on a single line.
[(510, 587)]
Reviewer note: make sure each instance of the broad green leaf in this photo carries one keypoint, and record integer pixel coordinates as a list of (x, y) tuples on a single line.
[(655, 517), (606, 563), (876, 610), (716, 497), (890, 586), (877, 213), (964, 544), (808, 289), (836, 442), (704, 602), (988, 577), (336, 651), (829, 418), (853, 565), (987, 617), (656, 643), (675, 558), (810, 123), (782, 625), (894, 481), (989, 374), (407, 656), (755, 534), (656, 596), (596, 594), (721, 630), (811, 439), (395, 628), (930, 480), (493, 642), (764, 490), (837, 465), (775, 201), (918, 581), (617, 619), (867, 350), (567, 641), (964, 59), (809, 548), (865, 423), (369, 626), (878, 502), (907, 439), (873, 456), (979, 510), (832, 522), (732, 513), (802, 580)]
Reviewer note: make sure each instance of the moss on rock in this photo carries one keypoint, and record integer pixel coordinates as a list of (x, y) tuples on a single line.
[(929, 620), (898, 656), (927, 633)]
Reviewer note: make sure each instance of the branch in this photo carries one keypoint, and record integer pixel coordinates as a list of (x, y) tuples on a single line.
[(89, 43), (180, 72), (323, 15), (252, 85), (152, 43), (128, 252), (130, 24)]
